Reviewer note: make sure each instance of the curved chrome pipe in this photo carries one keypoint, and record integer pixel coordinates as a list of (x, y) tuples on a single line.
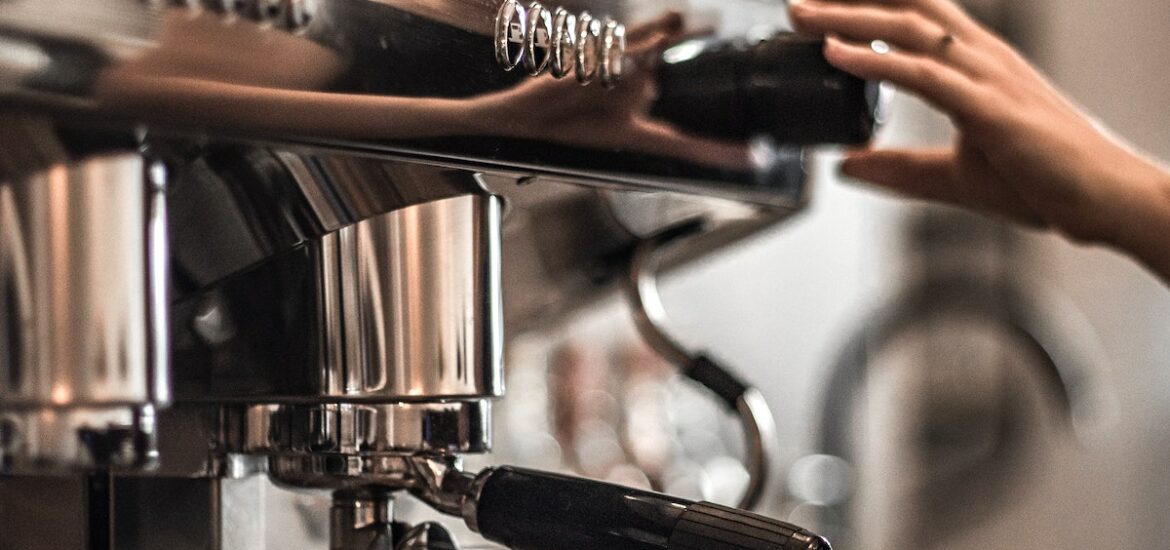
[(650, 318)]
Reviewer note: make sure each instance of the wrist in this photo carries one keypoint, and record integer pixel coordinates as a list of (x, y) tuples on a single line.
[(1141, 224)]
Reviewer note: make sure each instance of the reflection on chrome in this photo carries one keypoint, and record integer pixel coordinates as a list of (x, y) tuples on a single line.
[(439, 96), (247, 245)]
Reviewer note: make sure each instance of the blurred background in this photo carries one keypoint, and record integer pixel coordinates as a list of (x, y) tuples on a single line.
[(939, 380)]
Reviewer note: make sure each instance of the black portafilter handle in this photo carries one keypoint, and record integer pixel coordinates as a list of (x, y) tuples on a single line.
[(782, 88), (531, 510)]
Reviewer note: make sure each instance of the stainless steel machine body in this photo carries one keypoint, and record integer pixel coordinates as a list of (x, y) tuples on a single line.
[(407, 80), (85, 315), (271, 236)]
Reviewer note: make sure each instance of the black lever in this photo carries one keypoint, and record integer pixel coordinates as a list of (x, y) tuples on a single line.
[(530, 510)]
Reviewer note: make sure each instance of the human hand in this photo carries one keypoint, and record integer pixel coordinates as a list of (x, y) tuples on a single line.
[(1023, 150)]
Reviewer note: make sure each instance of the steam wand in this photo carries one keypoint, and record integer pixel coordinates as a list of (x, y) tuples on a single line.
[(650, 318)]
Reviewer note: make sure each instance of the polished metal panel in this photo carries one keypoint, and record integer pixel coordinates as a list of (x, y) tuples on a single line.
[(403, 307), (67, 439), (398, 79), (567, 245), (83, 269), (402, 428), (361, 520), (234, 206), (418, 304), (83, 314)]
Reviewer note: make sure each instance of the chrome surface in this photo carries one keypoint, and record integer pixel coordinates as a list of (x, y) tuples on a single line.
[(564, 43), (596, 49), (351, 430), (333, 472), (361, 520), (403, 307), (651, 320), (612, 53), (83, 313), (568, 246), (763, 447), (442, 484), (337, 317), (537, 41), (428, 536), (340, 75), (511, 33), (418, 304), (83, 269), (66, 440), (234, 206), (468, 509), (587, 47)]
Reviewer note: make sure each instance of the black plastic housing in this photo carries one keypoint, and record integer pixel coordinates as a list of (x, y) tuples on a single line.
[(530, 510), (782, 88)]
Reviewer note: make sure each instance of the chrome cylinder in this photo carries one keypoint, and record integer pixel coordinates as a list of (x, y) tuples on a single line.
[(373, 344), (83, 313), (412, 305), (402, 307), (362, 520)]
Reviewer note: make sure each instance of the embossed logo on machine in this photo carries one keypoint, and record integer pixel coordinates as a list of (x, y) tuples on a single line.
[(560, 42)]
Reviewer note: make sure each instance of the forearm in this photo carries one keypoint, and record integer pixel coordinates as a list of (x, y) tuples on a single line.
[(1143, 226), (188, 101)]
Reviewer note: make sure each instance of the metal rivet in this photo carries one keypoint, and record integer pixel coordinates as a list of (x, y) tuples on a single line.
[(564, 39), (537, 41), (588, 46), (613, 47), (511, 29)]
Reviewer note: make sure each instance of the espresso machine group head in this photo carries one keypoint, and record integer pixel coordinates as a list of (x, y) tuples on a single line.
[(283, 238)]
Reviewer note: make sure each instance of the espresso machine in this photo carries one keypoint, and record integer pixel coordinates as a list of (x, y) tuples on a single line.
[(279, 241)]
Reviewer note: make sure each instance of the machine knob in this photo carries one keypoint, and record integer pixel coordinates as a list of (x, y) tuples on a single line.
[(781, 88)]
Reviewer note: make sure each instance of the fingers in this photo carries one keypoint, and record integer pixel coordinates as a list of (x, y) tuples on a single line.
[(903, 28), (944, 86), (944, 12), (935, 175), (920, 174), (654, 35)]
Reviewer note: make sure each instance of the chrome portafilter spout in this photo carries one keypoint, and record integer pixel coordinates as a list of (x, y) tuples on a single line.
[(364, 520)]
